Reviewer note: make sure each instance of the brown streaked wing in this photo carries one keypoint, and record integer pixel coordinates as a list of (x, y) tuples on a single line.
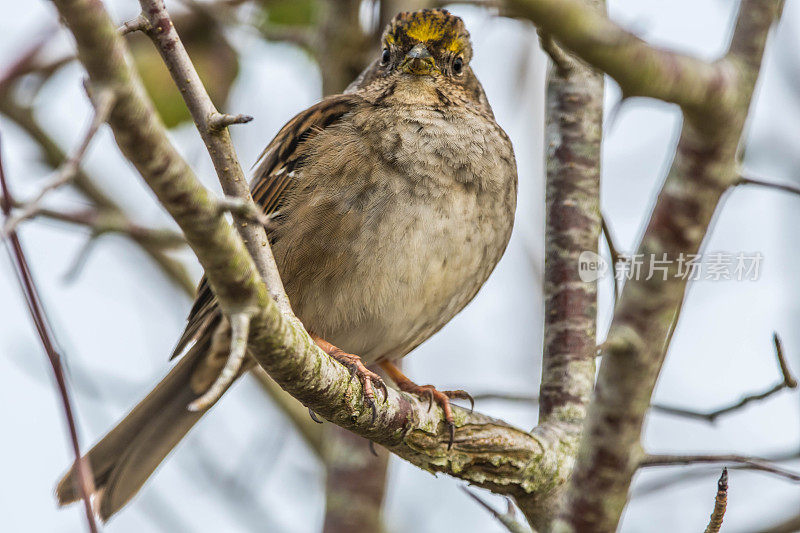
[(274, 173)]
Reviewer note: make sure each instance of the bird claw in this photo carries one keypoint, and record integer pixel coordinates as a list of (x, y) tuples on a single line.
[(370, 381), (443, 399), (314, 416)]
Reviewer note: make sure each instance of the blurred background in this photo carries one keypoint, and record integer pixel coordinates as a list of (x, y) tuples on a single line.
[(118, 304)]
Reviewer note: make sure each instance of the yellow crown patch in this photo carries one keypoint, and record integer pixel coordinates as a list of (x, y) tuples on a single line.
[(435, 27)]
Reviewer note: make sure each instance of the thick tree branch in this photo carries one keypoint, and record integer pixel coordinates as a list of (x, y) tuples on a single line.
[(705, 166), (574, 123), (486, 452), (639, 68)]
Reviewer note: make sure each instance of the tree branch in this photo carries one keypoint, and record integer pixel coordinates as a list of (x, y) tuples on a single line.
[(508, 519), (212, 127), (705, 165), (487, 452), (639, 68), (54, 157), (788, 382), (28, 285), (574, 123), (67, 171), (720, 504), (749, 463)]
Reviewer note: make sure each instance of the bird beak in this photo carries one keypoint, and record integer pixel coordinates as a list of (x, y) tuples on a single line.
[(418, 61)]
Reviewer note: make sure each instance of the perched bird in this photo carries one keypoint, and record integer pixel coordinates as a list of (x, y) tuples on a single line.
[(391, 205)]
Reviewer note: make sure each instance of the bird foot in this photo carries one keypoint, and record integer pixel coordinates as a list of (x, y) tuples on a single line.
[(370, 381), (442, 398)]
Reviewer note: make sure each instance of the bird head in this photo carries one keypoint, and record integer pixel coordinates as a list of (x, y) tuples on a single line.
[(430, 42)]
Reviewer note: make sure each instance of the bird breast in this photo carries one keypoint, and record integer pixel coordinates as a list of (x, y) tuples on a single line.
[(394, 225)]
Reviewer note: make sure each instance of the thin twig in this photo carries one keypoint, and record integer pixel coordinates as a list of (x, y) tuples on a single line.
[(25, 63), (749, 463), (101, 221), (690, 474), (85, 479), (788, 382), (217, 141), (613, 252), (54, 157), (240, 330), (104, 103), (508, 519), (785, 187), (720, 504)]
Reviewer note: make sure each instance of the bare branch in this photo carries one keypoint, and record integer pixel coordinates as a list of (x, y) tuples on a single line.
[(54, 157), (698, 472), (638, 68), (508, 519), (785, 187), (574, 120), (81, 258), (749, 463), (103, 105), (101, 221), (26, 62), (613, 252), (788, 382), (720, 504), (28, 285), (716, 99), (217, 141)]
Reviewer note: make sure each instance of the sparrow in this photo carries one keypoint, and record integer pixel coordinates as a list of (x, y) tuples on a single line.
[(390, 206)]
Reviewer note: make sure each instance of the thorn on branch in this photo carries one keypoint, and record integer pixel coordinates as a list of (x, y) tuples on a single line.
[(788, 382), (219, 121), (720, 504), (508, 519), (104, 101), (140, 23), (240, 329)]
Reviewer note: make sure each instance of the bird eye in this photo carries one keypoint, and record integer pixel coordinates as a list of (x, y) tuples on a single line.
[(385, 56), (458, 64)]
